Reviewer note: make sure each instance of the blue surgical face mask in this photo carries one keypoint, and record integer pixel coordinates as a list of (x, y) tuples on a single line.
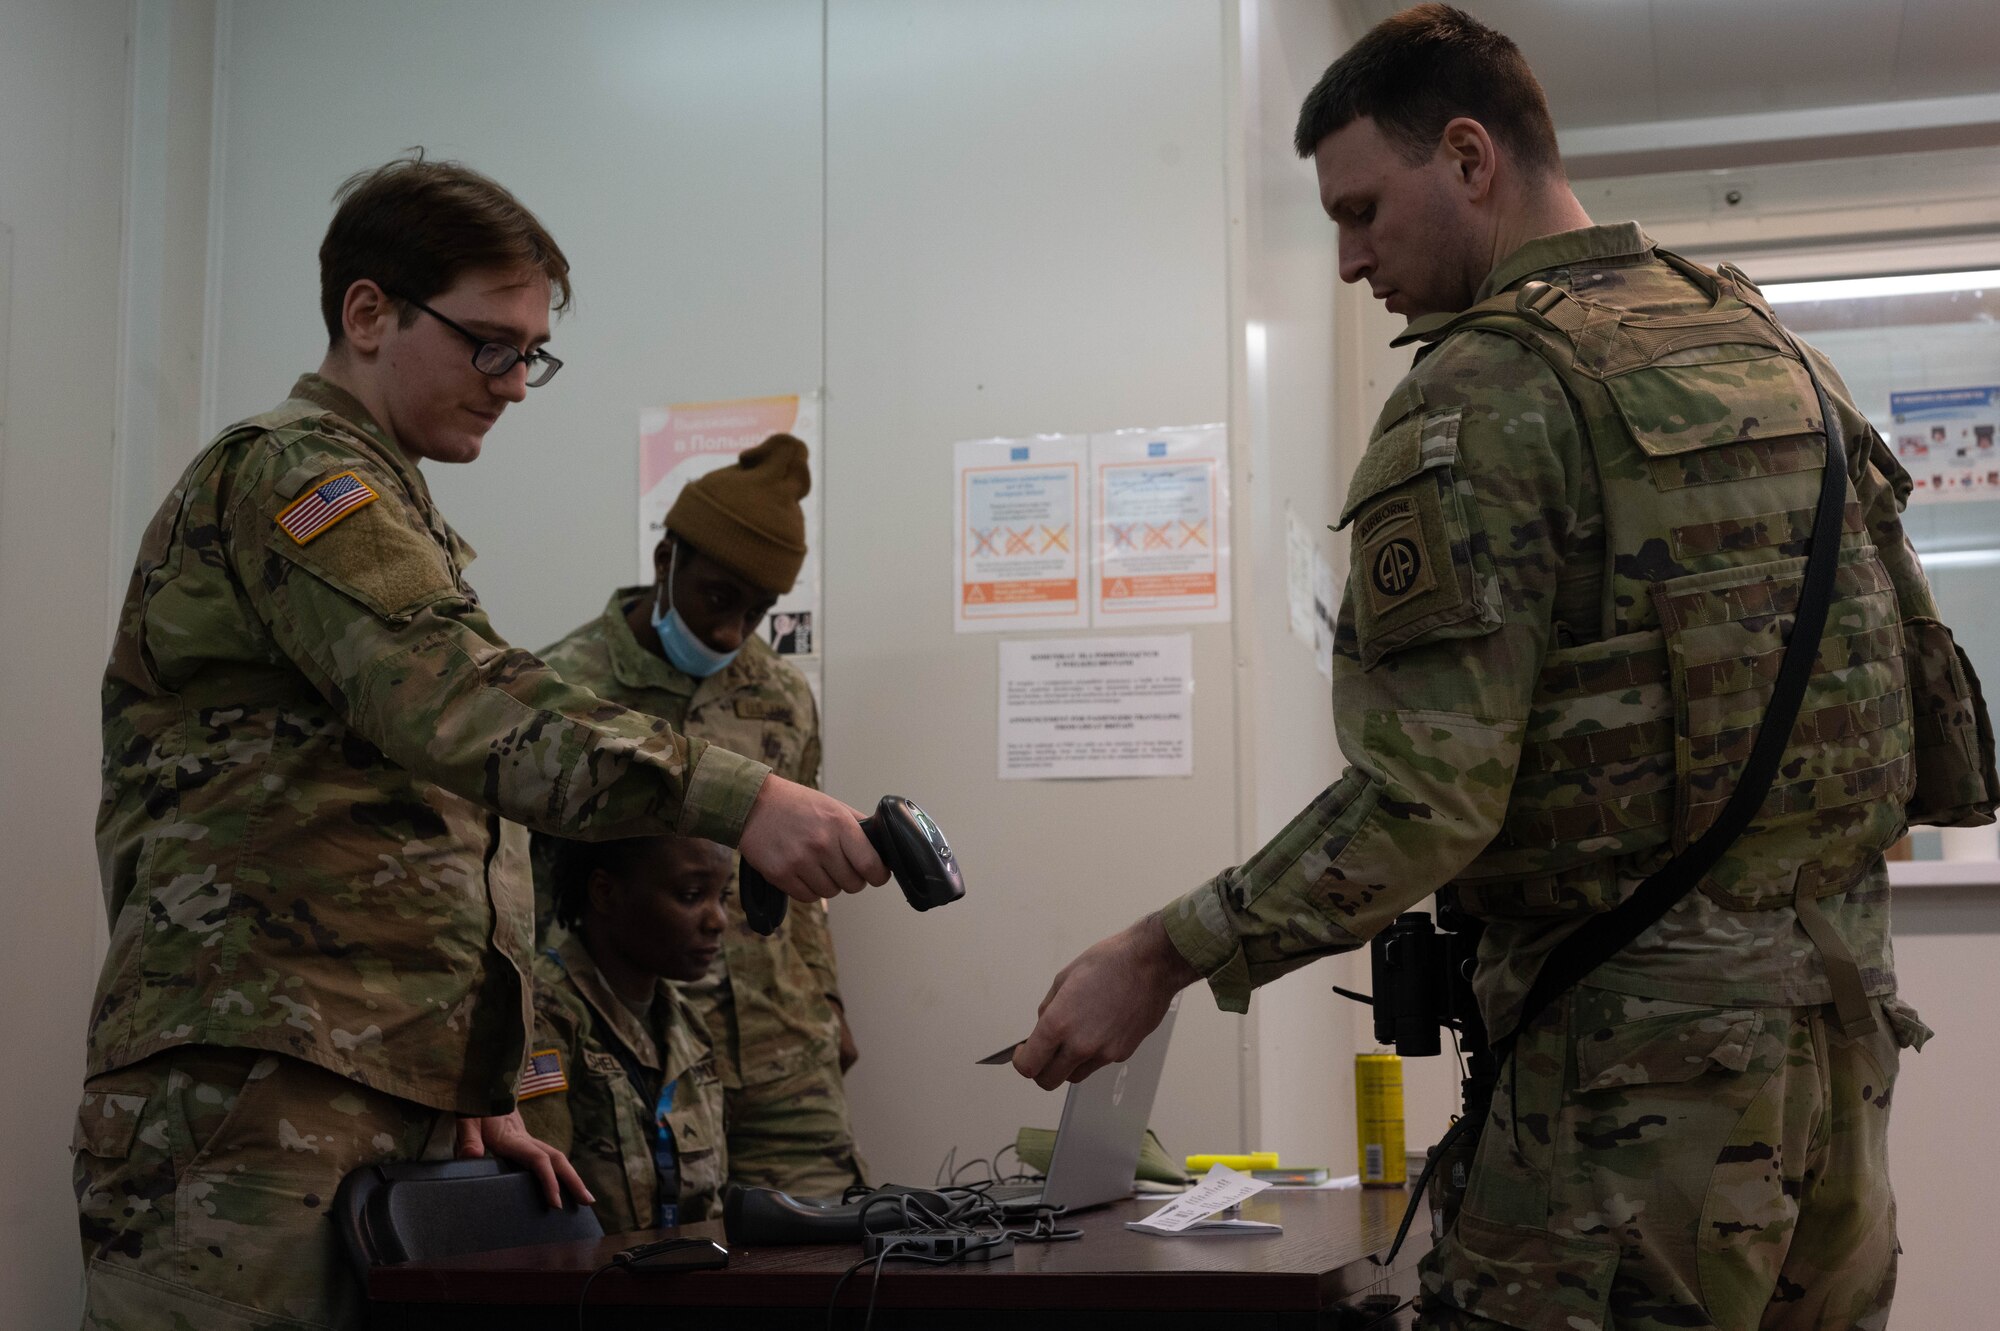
[(687, 653)]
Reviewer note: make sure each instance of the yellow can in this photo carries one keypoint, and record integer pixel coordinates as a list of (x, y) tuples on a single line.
[(1378, 1119)]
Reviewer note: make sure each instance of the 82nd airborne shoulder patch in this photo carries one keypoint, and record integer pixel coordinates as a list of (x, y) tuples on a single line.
[(1395, 564)]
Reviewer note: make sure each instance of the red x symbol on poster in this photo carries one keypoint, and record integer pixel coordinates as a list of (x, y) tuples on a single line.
[(1156, 537), (1121, 536), (1017, 541), (1195, 535), (1055, 540), (982, 541)]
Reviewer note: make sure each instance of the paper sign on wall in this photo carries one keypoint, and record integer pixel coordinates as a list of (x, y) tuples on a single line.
[(1097, 707), (1017, 510), (1944, 439), (1161, 526), (680, 443)]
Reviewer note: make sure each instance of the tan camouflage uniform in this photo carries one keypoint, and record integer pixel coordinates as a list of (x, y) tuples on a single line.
[(602, 1118), (770, 1002), (1692, 1140), (319, 942)]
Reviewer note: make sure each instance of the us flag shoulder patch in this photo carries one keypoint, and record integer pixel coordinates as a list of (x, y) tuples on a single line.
[(328, 502), (543, 1074)]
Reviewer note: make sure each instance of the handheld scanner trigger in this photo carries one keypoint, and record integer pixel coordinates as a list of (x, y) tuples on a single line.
[(916, 852), (764, 906)]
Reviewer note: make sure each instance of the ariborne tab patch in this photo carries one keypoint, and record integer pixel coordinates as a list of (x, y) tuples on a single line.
[(543, 1075), (1394, 562), (318, 509)]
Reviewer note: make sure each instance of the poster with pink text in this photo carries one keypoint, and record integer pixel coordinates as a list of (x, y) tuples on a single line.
[(691, 439)]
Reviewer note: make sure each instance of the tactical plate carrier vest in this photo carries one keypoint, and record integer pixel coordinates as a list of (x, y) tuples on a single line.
[(1706, 434)]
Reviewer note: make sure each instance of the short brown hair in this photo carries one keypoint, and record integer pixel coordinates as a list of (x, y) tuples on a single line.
[(414, 227), (1415, 72)]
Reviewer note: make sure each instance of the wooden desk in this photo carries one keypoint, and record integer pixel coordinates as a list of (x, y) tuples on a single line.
[(1314, 1275)]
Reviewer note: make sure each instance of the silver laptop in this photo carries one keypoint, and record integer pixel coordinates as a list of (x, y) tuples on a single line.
[(1102, 1131)]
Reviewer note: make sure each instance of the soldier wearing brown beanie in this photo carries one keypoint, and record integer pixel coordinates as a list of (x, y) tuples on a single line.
[(686, 649)]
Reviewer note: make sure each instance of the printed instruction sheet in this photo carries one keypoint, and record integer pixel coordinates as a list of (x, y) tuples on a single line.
[(1017, 510), (1097, 707), (1162, 526)]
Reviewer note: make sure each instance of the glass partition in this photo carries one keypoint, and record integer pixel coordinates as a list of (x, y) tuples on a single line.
[(1921, 355)]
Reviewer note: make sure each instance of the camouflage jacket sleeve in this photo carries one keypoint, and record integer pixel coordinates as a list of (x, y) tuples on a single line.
[(374, 611), (811, 933), (814, 940), (1463, 511)]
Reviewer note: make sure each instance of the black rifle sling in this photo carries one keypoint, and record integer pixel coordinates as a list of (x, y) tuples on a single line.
[(1602, 936)]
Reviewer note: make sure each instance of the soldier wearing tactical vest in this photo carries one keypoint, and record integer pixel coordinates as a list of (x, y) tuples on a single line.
[(687, 649), (1577, 538), (320, 939)]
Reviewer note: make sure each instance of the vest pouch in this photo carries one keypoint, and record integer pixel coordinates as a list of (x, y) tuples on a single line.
[(1955, 781), (1681, 411), (1837, 801)]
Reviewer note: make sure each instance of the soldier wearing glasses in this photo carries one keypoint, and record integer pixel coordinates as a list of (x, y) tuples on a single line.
[(320, 941)]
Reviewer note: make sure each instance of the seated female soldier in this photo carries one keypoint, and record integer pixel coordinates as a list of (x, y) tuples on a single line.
[(620, 1073)]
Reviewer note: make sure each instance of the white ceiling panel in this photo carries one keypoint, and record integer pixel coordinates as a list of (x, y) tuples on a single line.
[(1621, 62), (1725, 57), (1948, 48)]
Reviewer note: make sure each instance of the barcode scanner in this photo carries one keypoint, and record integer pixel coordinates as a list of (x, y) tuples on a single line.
[(909, 843)]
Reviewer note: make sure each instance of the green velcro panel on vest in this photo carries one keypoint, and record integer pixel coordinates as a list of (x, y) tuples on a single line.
[(1736, 462), (1788, 531), (1758, 591), (1600, 748), (1832, 724), (1715, 679)]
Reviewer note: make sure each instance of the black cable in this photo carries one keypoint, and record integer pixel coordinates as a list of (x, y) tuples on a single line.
[(952, 1182), (875, 1285), (838, 1285), (585, 1292)]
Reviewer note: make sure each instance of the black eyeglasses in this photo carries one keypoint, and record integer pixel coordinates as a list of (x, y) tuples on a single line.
[(494, 359)]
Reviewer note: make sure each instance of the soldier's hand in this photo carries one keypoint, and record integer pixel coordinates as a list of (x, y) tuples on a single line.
[(808, 845), (1103, 1004), (506, 1137)]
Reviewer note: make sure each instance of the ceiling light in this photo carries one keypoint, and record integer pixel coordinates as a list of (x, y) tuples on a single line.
[(1861, 288)]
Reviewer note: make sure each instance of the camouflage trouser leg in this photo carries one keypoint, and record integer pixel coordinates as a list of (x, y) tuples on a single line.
[(794, 1133), (204, 1179), (1651, 1165)]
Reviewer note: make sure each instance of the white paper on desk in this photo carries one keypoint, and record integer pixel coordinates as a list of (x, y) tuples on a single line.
[(1208, 1228), (1221, 1189)]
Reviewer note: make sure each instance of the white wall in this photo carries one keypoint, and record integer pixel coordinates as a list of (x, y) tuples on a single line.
[(1026, 232), (62, 172), (673, 149)]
